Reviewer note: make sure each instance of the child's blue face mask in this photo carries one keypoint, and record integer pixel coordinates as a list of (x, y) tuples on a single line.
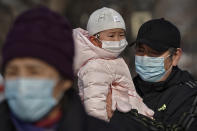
[(30, 99), (150, 69)]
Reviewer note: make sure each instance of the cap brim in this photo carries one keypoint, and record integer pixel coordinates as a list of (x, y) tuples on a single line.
[(155, 46)]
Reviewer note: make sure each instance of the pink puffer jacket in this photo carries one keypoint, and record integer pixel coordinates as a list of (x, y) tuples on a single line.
[(99, 71)]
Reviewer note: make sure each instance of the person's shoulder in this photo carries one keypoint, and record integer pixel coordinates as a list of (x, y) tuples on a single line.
[(4, 108), (185, 90), (4, 111), (188, 81), (95, 65), (5, 119), (189, 85), (184, 79)]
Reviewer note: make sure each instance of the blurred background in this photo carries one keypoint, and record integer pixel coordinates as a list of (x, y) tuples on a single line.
[(135, 12)]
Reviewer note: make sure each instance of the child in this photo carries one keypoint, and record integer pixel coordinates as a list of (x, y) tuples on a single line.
[(100, 70)]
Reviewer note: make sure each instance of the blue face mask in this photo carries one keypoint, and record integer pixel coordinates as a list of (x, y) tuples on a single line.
[(150, 69), (30, 99)]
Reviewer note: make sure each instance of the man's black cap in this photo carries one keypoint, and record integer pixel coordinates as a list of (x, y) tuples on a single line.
[(159, 34)]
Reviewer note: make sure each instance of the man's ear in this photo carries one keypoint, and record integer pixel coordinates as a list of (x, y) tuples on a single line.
[(176, 57), (95, 41)]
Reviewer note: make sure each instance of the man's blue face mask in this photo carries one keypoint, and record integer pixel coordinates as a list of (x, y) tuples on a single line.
[(150, 69), (30, 99)]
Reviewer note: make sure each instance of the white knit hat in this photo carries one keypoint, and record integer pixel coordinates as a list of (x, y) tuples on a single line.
[(104, 19)]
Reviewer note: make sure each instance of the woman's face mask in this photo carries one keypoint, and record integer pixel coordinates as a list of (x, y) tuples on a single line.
[(32, 88), (29, 98)]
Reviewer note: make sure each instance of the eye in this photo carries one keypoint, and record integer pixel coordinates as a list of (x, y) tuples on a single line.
[(122, 35), (111, 36), (11, 73), (34, 72), (140, 51), (154, 53)]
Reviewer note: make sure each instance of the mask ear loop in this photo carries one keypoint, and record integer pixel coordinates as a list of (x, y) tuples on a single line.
[(171, 64), (97, 40), (171, 55), (97, 37), (169, 69)]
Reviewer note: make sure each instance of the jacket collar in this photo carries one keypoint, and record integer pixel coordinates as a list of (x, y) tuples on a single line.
[(85, 50), (150, 87)]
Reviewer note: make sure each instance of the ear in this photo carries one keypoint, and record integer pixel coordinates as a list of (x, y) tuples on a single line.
[(95, 41), (62, 86), (176, 57), (66, 84)]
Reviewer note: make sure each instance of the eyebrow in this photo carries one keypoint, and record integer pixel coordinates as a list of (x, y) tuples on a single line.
[(116, 32), (11, 67), (29, 66), (26, 66), (150, 50), (112, 32)]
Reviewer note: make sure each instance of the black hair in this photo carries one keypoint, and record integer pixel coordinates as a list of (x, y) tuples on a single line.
[(172, 51)]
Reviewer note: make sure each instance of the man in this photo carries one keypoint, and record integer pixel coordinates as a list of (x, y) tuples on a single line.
[(170, 92), (38, 70)]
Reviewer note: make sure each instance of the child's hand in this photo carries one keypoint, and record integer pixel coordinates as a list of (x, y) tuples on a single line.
[(138, 104)]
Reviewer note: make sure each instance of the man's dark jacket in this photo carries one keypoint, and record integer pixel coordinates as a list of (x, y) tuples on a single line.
[(74, 117), (174, 102)]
